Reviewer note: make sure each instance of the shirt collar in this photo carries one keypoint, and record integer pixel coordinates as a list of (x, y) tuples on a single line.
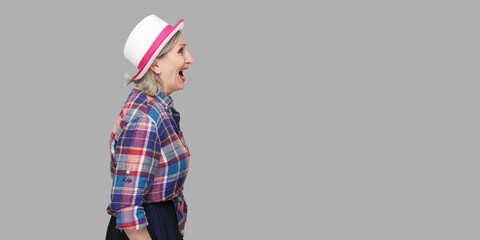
[(164, 99)]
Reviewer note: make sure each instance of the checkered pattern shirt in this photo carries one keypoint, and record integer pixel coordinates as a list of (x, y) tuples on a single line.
[(149, 159)]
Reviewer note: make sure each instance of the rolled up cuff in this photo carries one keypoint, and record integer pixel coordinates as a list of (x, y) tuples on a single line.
[(131, 217)]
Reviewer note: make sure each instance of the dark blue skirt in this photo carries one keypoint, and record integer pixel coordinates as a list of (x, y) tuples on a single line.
[(162, 223)]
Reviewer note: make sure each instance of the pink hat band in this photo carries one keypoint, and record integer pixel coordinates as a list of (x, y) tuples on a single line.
[(146, 41)]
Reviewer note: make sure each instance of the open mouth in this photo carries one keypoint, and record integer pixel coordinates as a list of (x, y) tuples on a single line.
[(181, 73)]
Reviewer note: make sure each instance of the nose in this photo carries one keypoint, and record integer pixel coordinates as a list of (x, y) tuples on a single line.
[(188, 58)]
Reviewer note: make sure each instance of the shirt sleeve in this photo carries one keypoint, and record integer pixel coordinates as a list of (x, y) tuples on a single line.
[(137, 153)]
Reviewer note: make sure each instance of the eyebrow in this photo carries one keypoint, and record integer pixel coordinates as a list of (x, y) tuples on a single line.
[(183, 44)]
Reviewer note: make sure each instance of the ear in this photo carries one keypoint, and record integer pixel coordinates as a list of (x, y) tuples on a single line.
[(156, 66)]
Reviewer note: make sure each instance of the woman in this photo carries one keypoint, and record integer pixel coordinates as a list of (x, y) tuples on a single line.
[(149, 157)]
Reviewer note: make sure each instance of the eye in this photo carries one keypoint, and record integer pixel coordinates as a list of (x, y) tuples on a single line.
[(180, 50)]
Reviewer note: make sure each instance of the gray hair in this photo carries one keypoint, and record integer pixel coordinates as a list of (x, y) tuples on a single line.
[(150, 83)]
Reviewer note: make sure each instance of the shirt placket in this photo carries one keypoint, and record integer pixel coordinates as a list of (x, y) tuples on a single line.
[(175, 116)]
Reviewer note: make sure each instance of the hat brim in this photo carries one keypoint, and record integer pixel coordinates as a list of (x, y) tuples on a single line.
[(153, 53)]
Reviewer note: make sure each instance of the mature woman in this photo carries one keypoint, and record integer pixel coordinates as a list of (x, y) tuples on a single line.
[(149, 157)]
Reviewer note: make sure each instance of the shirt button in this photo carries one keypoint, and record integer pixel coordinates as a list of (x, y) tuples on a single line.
[(128, 172)]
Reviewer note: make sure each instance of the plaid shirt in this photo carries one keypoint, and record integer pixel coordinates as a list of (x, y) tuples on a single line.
[(149, 159)]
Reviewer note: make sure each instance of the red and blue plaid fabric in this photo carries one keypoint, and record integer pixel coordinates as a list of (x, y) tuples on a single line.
[(149, 159)]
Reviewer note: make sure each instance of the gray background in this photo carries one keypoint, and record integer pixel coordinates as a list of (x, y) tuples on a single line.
[(305, 120)]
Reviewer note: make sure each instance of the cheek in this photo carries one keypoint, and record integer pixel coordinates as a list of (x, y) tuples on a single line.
[(167, 74)]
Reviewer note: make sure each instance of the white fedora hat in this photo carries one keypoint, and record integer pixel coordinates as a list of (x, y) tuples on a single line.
[(146, 41)]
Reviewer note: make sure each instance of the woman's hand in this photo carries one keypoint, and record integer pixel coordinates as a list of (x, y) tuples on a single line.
[(138, 234)]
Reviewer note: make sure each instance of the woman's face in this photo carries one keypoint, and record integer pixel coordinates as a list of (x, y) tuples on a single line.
[(172, 65)]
